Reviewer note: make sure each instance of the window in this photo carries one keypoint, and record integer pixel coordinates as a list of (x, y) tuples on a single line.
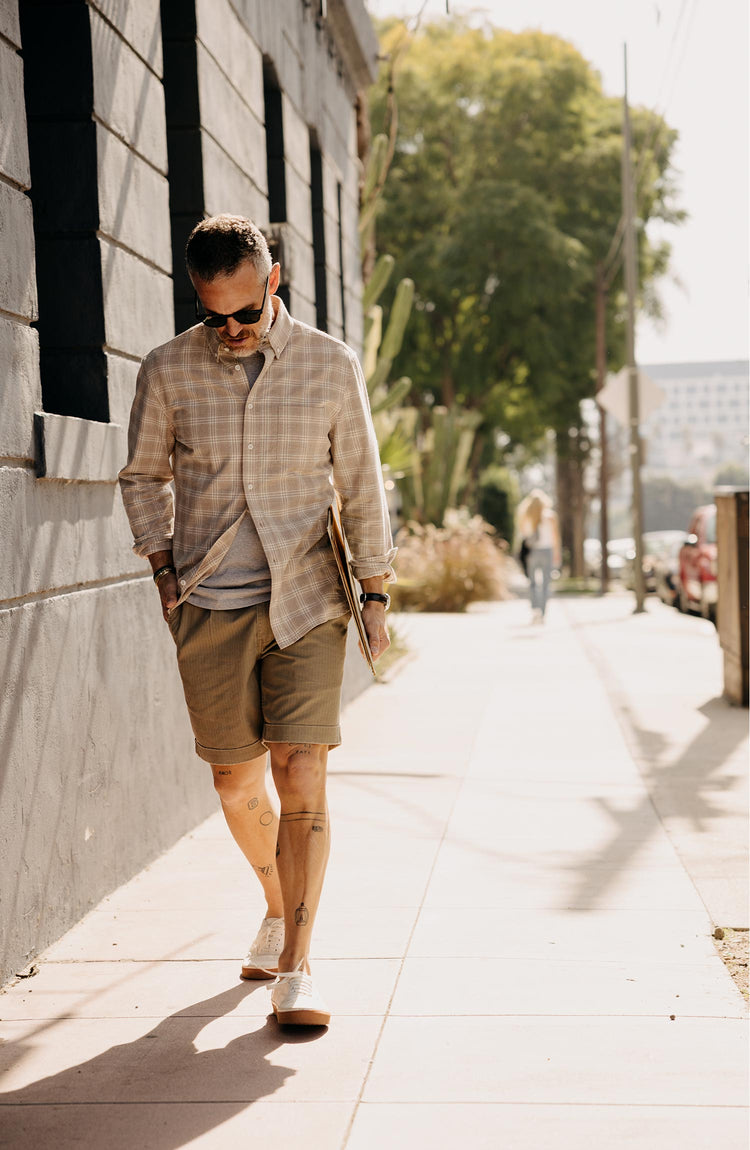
[(184, 151), (319, 233), (275, 162), (59, 95), (341, 262)]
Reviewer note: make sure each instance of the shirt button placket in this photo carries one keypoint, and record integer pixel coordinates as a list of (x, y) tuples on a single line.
[(250, 447)]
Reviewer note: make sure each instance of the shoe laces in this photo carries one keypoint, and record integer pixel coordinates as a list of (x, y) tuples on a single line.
[(271, 934), (296, 981)]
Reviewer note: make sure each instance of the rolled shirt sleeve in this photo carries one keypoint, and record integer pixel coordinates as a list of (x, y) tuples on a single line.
[(146, 479)]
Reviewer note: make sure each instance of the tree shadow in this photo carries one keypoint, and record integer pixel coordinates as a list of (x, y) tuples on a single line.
[(171, 1091), (684, 789)]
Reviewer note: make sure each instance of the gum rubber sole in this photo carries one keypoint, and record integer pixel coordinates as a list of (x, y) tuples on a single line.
[(254, 973), (302, 1017)]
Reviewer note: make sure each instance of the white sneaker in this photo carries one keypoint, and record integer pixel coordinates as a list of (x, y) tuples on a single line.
[(263, 957), (296, 1002)]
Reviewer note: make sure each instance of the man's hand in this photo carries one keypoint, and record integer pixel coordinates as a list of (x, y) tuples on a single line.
[(167, 585), (373, 617), (168, 593)]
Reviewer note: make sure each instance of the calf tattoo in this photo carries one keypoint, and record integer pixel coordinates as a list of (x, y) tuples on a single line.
[(301, 915), (266, 870), (266, 818), (252, 804)]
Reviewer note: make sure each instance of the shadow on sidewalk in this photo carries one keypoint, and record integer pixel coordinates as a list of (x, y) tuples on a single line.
[(168, 1092), (683, 789)]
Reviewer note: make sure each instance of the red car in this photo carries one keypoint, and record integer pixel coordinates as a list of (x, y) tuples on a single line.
[(698, 587)]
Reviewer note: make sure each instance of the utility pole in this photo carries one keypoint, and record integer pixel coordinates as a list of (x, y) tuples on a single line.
[(631, 287), (601, 378)]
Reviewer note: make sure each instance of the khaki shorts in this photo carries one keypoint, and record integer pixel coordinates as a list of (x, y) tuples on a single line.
[(243, 691)]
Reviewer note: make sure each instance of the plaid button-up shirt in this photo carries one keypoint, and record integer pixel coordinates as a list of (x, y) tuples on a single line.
[(204, 450)]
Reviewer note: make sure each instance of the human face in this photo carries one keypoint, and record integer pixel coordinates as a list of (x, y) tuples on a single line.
[(230, 293)]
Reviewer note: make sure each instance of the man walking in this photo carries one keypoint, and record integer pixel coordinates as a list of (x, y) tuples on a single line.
[(239, 428)]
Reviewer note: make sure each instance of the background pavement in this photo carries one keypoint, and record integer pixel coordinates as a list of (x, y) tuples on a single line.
[(536, 829)]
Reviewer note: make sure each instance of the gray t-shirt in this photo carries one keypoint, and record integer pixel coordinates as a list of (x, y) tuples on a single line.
[(243, 578)]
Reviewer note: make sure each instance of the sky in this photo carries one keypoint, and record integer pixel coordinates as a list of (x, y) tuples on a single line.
[(688, 60)]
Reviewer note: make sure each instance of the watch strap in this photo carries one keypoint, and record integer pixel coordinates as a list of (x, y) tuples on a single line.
[(374, 597)]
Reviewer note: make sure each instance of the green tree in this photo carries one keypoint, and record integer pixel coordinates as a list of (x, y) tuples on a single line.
[(502, 199), (498, 497), (668, 505), (732, 475)]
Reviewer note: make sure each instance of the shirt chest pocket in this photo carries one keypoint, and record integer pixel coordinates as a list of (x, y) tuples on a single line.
[(297, 433)]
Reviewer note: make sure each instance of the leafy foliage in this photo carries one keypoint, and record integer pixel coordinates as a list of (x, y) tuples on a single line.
[(502, 198), (669, 505), (732, 475), (498, 496)]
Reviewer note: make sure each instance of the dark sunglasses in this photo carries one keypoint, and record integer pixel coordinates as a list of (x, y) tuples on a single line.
[(245, 315)]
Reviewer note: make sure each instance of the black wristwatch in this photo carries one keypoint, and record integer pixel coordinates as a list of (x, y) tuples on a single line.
[(373, 596)]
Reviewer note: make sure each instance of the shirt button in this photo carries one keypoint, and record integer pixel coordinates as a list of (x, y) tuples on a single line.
[(249, 486), (236, 367), (250, 446), (182, 582)]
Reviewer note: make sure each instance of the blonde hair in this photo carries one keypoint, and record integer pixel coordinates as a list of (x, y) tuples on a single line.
[(531, 510)]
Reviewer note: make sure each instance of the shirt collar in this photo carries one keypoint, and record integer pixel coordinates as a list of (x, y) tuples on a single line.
[(277, 338)]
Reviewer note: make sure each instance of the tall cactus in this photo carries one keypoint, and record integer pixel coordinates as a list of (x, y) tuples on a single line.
[(376, 170), (441, 465), (381, 350)]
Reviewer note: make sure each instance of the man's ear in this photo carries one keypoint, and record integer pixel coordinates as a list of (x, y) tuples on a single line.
[(273, 279)]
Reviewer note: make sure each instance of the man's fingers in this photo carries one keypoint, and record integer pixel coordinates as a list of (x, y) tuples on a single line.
[(168, 594), (379, 644)]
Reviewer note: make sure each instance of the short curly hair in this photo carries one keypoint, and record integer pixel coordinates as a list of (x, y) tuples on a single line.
[(218, 245)]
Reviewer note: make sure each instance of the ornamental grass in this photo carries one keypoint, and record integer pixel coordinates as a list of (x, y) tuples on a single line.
[(447, 568)]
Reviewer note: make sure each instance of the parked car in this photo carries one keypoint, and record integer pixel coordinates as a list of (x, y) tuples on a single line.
[(667, 568), (698, 586), (656, 544), (619, 551)]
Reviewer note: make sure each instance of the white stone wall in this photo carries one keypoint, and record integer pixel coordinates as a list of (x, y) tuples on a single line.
[(230, 83), (97, 769)]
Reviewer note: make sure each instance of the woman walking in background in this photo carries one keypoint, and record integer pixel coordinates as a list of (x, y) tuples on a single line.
[(539, 528)]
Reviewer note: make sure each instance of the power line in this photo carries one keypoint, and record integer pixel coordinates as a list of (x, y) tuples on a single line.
[(613, 258)]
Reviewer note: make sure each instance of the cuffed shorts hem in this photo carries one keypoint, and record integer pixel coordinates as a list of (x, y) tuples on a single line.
[(302, 733), (229, 756), (242, 691)]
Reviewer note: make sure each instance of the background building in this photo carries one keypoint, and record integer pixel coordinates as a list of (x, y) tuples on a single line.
[(123, 124), (702, 425)]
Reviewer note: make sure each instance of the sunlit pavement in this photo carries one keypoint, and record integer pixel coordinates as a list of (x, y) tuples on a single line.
[(536, 829)]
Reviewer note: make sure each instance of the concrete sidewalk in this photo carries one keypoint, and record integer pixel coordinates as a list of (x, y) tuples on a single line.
[(536, 830)]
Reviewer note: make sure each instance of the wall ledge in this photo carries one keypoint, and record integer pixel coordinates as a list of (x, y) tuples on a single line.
[(78, 450)]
